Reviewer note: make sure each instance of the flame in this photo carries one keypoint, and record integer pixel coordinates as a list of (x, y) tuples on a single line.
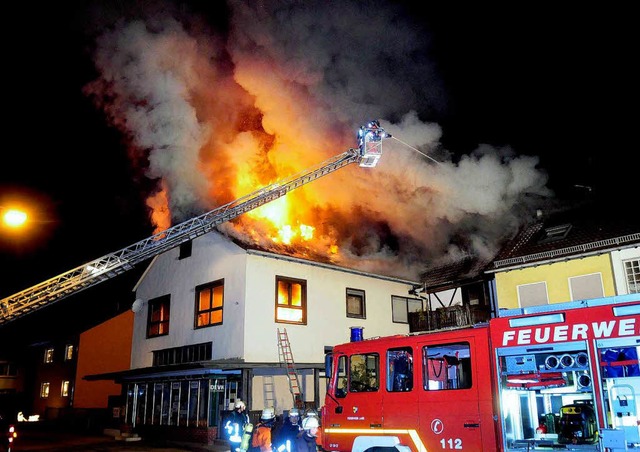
[(279, 215), (160, 212)]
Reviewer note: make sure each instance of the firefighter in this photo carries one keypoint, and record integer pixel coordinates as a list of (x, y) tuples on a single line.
[(306, 441), (236, 423), (261, 440), (285, 436)]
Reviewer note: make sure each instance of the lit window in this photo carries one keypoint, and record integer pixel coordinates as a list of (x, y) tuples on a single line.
[(355, 304), (291, 300), (209, 304), (64, 392), (68, 353), (48, 355), (158, 320), (632, 272), (44, 390)]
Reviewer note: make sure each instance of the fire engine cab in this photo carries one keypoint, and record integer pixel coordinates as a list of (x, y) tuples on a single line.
[(561, 377)]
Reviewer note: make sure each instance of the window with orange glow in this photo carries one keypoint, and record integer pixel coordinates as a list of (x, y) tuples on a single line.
[(291, 300), (64, 391), (158, 320), (48, 355), (209, 304), (44, 390)]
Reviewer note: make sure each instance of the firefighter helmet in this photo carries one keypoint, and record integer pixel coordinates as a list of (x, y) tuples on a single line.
[(294, 412), (268, 414), (239, 404), (310, 422)]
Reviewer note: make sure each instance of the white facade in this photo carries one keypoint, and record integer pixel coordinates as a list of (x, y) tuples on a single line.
[(249, 329), (618, 258)]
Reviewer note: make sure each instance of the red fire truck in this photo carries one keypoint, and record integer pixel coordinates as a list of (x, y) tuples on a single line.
[(563, 376)]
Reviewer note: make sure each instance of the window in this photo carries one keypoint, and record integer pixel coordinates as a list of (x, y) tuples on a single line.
[(364, 375), (555, 233), (291, 300), (48, 355), (209, 304), (185, 250), (64, 391), (446, 366), (68, 353), (533, 294), (586, 286), (8, 369), (400, 369), (158, 320), (632, 272), (402, 306), (44, 390), (185, 354), (341, 381), (355, 304)]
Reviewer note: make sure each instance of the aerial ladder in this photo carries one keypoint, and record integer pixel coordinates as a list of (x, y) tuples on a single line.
[(286, 358), (367, 154)]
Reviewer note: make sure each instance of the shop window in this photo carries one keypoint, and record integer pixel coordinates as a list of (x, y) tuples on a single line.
[(402, 306), (48, 355), (446, 367), (158, 320), (356, 304), (586, 286), (632, 273), (534, 294), (291, 300), (209, 304), (44, 390), (399, 369)]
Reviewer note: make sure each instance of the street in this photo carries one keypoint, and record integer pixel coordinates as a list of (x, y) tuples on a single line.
[(61, 441)]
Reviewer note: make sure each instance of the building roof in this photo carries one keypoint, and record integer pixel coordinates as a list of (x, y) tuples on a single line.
[(468, 270), (585, 230)]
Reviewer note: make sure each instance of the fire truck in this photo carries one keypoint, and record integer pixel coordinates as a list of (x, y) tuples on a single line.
[(562, 377)]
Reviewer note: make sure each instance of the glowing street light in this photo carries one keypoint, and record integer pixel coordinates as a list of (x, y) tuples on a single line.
[(14, 218)]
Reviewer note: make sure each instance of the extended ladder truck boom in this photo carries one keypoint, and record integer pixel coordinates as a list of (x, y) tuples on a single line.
[(111, 265)]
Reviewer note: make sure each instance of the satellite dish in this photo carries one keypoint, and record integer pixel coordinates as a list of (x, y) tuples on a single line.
[(137, 305)]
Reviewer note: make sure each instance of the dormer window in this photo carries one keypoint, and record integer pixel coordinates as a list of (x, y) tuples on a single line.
[(555, 233)]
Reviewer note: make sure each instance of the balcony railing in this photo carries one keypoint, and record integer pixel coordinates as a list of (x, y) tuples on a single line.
[(447, 318)]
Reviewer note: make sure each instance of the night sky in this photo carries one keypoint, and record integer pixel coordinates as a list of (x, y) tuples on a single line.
[(549, 83)]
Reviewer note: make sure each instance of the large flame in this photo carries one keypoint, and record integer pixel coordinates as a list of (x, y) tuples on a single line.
[(215, 118)]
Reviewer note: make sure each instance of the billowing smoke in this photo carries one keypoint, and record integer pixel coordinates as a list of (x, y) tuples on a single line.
[(214, 115)]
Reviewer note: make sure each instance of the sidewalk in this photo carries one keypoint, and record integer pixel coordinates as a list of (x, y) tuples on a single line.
[(51, 440)]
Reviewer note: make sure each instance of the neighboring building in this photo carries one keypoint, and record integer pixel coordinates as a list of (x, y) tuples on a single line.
[(575, 255), (207, 323), (104, 348), (581, 253), (52, 378), (456, 294)]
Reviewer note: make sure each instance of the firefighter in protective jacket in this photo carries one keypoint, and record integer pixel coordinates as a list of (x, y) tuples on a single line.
[(261, 440)]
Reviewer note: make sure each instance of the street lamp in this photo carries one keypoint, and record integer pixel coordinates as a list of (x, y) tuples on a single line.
[(14, 218)]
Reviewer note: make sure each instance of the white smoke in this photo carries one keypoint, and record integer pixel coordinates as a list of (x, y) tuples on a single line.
[(309, 74)]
